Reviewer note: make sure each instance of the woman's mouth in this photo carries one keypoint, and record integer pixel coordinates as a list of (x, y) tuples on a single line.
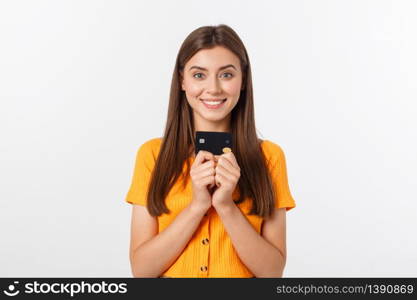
[(213, 104)]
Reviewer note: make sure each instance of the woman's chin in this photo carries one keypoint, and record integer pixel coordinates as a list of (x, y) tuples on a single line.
[(214, 118)]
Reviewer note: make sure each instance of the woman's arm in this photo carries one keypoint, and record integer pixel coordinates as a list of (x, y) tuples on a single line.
[(152, 253), (264, 255)]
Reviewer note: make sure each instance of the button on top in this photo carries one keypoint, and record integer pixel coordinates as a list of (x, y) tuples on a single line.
[(205, 241), (203, 268)]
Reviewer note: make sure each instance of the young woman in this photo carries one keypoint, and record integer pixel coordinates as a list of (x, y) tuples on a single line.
[(204, 215)]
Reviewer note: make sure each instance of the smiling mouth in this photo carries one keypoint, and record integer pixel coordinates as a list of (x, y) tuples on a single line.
[(213, 104), (216, 101)]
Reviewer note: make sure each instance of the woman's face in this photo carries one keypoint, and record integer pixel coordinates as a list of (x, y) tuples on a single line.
[(212, 81)]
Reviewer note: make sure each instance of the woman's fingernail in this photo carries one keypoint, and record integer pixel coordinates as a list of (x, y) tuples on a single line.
[(227, 150)]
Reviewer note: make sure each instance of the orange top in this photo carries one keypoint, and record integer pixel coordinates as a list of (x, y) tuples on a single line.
[(200, 258)]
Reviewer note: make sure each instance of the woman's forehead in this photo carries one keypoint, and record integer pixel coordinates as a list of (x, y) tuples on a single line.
[(213, 59)]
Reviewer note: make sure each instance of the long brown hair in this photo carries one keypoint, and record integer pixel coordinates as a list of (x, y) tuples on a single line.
[(178, 140)]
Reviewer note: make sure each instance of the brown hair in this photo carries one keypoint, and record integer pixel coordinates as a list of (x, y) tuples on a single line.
[(178, 140)]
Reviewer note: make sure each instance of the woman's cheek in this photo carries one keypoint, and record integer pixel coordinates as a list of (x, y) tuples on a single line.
[(194, 90), (233, 88)]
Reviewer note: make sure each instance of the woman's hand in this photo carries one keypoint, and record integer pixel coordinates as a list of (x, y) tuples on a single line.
[(227, 174), (202, 175)]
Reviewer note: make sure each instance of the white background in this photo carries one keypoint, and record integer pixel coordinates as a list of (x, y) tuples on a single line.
[(84, 83)]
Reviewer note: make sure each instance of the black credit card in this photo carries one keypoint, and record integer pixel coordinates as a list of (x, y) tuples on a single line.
[(213, 142)]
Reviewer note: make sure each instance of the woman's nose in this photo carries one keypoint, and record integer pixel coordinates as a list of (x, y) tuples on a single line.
[(214, 86)]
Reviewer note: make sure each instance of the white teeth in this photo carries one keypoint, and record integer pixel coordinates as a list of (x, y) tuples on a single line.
[(213, 102)]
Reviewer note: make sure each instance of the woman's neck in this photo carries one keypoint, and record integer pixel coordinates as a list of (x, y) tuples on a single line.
[(205, 125)]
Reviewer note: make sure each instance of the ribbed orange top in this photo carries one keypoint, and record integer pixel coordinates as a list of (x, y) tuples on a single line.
[(215, 257)]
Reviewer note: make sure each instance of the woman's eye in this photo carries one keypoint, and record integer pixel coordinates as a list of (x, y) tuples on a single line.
[(197, 74), (200, 75)]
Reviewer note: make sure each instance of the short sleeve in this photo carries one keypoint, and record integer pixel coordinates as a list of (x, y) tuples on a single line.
[(279, 176), (142, 172)]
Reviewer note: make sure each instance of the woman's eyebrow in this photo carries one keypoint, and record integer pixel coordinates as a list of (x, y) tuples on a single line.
[(221, 68)]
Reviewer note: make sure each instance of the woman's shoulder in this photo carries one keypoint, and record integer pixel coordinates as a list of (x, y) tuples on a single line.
[(269, 145), (273, 151), (152, 143), (150, 147)]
